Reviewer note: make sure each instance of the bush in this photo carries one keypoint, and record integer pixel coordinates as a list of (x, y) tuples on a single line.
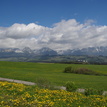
[(80, 71), (91, 91), (44, 83), (69, 70), (85, 71), (70, 86)]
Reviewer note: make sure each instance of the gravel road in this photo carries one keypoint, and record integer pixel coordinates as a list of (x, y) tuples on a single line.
[(17, 81)]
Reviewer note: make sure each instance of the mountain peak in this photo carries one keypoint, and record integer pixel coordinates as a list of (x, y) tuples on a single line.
[(46, 51), (27, 50)]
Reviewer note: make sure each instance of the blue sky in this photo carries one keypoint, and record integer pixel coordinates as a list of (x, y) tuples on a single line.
[(57, 24), (48, 12)]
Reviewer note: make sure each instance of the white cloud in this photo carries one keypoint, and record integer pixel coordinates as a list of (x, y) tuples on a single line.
[(67, 34), (18, 31)]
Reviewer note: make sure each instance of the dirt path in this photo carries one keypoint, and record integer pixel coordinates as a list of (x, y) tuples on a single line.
[(17, 81)]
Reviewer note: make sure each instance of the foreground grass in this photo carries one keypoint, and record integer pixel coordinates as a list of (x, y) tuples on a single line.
[(19, 95), (54, 73)]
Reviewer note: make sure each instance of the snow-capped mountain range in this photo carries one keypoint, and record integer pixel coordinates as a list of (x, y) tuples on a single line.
[(96, 51)]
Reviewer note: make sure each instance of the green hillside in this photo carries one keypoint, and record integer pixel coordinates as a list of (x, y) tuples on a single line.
[(54, 73)]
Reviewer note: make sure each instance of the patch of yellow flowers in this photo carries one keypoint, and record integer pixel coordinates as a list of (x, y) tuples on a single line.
[(19, 95)]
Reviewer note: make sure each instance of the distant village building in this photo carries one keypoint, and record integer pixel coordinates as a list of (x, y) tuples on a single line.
[(85, 61)]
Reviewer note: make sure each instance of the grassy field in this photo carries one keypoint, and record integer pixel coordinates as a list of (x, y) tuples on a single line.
[(54, 73)]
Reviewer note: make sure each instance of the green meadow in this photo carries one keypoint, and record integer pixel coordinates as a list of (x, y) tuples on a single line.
[(53, 72)]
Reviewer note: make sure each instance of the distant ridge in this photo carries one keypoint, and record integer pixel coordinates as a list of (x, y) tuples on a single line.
[(96, 51), (45, 51)]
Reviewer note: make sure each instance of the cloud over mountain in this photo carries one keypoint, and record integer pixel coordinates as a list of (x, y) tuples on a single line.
[(63, 35)]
